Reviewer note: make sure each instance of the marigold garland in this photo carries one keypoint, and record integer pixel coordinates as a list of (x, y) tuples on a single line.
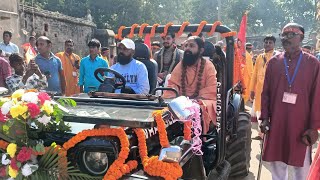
[(183, 26), (3, 144), (153, 166), (165, 30), (119, 35), (161, 128), (187, 130), (228, 34), (132, 30), (153, 30), (118, 167), (200, 27), (142, 28), (213, 28)]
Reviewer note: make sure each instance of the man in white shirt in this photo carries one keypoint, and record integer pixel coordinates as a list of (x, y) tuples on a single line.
[(7, 47), (135, 72)]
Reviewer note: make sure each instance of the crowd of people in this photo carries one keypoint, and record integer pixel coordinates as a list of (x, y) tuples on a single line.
[(283, 84)]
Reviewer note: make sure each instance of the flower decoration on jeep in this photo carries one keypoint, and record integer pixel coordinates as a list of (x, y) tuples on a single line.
[(23, 116)]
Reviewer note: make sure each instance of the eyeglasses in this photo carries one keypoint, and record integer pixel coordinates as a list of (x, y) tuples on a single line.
[(269, 42), (288, 35)]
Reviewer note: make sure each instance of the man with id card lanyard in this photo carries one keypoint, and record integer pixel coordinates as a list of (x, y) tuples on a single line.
[(70, 63), (290, 107)]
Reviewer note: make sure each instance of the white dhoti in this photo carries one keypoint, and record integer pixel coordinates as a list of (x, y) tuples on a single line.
[(279, 170)]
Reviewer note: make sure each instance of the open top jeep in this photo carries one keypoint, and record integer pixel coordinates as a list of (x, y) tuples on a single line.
[(226, 147)]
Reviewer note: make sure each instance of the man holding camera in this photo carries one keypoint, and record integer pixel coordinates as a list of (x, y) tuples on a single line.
[(70, 63)]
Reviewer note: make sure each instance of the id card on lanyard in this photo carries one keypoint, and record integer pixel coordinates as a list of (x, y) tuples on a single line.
[(74, 72), (289, 97)]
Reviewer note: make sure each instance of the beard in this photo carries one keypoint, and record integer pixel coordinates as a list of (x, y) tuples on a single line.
[(123, 59), (190, 59)]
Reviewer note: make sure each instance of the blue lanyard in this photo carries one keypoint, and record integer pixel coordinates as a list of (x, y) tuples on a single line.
[(290, 81)]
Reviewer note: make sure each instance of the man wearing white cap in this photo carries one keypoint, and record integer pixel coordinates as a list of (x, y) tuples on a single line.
[(135, 72)]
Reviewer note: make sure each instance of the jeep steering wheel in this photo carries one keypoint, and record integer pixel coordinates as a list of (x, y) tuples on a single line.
[(117, 76)]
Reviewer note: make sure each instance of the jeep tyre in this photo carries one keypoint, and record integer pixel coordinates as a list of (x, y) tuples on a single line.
[(239, 149)]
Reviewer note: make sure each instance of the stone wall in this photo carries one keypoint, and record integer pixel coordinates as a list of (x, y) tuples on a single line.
[(57, 27), (9, 19)]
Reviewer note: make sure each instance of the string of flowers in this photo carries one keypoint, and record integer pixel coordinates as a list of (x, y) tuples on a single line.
[(213, 28), (183, 26), (153, 166), (3, 144), (153, 30), (118, 167), (165, 30), (132, 30), (142, 28), (164, 142), (119, 35), (228, 34), (197, 128), (199, 29)]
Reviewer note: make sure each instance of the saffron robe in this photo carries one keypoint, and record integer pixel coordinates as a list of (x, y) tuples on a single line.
[(247, 73), (290, 121), (257, 78), (68, 64), (208, 90)]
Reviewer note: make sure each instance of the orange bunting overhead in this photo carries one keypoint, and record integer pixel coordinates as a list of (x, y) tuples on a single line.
[(200, 27), (183, 26), (165, 31), (132, 30), (213, 28), (153, 30), (142, 28), (119, 35), (228, 34)]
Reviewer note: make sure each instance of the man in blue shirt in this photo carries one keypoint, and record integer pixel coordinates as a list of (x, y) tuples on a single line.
[(135, 72), (88, 65), (50, 65)]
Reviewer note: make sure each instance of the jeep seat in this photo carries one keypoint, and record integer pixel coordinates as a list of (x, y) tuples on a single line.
[(142, 54)]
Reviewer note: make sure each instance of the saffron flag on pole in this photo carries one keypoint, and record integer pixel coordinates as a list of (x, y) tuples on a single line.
[(243, 32)]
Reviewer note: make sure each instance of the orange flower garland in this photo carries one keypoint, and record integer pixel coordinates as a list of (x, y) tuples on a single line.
[(118, 168), (187, 130), (228, 34), (153, 30), (153, 166), (142, 28), (165, 30), (213, 28), (3, 144), (161, 128), (119, 35), (183, 26), (132, 30), (200, 27)]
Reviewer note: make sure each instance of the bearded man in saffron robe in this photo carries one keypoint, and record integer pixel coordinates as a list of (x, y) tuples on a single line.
[(195, 78), (290, 106)]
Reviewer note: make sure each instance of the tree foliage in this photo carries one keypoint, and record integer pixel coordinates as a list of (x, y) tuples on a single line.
[(264, 16)]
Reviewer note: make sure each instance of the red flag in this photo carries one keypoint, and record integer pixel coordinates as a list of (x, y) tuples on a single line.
[(147, 40), (242, 33)]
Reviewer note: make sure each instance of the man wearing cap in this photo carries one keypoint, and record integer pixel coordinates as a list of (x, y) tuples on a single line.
[(50, 65), (88, 65), (167, 57), (257, 78), (135, 72), (290, 106)]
